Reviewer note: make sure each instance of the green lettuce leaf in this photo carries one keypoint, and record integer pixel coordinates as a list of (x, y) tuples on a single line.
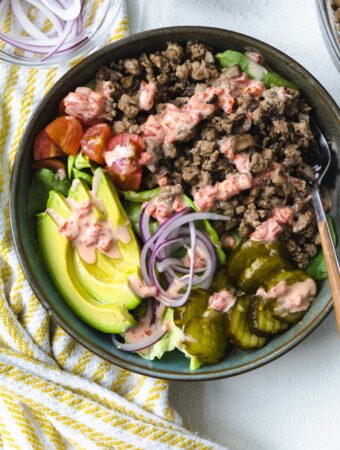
[(44, 180), (252, 69), (317, 266)]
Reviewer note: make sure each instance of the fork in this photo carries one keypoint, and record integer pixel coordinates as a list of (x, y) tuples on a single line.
[(321, 155)]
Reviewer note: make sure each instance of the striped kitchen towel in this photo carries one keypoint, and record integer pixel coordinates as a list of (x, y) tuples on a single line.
[(55, 394)]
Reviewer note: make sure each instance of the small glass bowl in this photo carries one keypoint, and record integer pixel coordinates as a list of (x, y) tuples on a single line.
[(329, 30), (98, 19)]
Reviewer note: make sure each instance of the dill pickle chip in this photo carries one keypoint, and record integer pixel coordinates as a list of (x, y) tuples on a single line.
[(262, 268), (195, 306), (220, 280), (206, 338), (261, 321), (237, 326), (247, 252), (289, 277)]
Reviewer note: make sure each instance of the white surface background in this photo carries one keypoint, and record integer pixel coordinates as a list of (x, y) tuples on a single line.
[(292, 403)]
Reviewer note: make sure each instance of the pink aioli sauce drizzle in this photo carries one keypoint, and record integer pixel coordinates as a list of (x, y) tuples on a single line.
[(222, 301), (241, 160), (141, 289), (291, 298), (144, 329), (161, 211), (88, 234), (200, 258), (270, 229), (86, 105), (233, 184), (169, 125), (140, 332), (146, 95)]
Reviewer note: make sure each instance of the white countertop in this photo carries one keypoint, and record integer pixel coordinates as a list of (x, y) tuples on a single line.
[(294, 402)]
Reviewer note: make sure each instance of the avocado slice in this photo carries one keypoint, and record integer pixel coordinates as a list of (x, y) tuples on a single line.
[(110, 285), (98, 293), (106, 280), (106, 192)]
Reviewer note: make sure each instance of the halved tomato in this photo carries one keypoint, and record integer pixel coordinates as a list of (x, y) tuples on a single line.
[(122, 155), (130, 182), (95, 141), (66, 132), (125, 139), (45, 148)]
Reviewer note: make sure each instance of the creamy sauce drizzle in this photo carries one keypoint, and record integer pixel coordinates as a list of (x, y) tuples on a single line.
[(146, 95), (175, 122), (270, 229), (222, 301), (291, 298), (233, 184), (141, 289), (87, 233)]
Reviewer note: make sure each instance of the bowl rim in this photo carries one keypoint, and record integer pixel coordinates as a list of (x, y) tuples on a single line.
[(24, 259)]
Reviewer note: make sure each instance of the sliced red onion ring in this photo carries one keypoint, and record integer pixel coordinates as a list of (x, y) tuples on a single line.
[(142, 345), (144, 220), (172, 232), (180, 301), (24, 21), (70, 12), (58, 24), (65, 16)]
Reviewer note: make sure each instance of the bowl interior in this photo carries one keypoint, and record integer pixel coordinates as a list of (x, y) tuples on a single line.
[(174, 365)]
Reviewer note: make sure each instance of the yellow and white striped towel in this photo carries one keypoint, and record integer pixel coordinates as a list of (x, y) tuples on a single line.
[(55, 394)]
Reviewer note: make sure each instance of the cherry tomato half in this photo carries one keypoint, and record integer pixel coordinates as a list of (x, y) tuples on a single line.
[(125, 170), (95, 141), (66, 132), (130, 182), (45, 148), (125, 139)]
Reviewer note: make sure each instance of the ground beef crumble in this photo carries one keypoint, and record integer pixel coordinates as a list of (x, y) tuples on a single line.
[(274, 127)]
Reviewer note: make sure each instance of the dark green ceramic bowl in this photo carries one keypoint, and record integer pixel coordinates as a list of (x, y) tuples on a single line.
[(174, 365)]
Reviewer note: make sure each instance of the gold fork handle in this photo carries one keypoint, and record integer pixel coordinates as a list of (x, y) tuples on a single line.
[(332, 268), (332, 264)]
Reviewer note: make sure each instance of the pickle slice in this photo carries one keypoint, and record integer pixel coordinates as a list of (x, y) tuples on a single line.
[(261, 321), (238, 328), (289, 318), (290, 277), (262, 268), (195, 307), (246, 252), (206, 338)]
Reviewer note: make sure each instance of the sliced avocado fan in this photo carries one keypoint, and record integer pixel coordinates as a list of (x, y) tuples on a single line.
[(99, 293)]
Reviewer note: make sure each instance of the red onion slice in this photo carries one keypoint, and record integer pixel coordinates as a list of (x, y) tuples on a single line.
[(144, 220), (24, 21), (58, 25), (67, 21), (180, 301), (142, 345), (70, 12)]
